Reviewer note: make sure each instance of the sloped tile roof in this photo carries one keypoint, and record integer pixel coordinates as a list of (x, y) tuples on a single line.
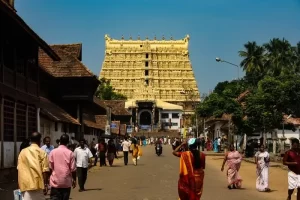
[(294, 121), (95, 121), (73, 49), (68, 66), (117, 106), (56, 113)]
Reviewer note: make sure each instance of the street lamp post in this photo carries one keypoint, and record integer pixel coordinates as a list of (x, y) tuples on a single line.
[(238, 67), (238, 78)]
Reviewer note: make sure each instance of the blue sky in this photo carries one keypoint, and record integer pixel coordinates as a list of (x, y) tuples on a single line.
[(216, 27)]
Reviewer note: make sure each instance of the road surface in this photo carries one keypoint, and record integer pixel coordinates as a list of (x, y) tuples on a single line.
[(155, 178)]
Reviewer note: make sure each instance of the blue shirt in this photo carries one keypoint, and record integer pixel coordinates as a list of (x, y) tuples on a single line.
[(47, 149)]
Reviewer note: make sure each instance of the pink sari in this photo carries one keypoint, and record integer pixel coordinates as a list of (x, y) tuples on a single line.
[(234, 160)]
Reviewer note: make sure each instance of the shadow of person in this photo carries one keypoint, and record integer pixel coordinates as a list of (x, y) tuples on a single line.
[(93, 189)]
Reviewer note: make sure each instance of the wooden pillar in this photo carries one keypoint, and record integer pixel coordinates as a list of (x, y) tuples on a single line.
[(2, 131), (136, 116), (15, 134), (38, 120), (27, 127)]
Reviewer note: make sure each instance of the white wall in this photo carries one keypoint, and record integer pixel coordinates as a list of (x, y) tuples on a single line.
[(175, 126), (288, 134), (48, 129)]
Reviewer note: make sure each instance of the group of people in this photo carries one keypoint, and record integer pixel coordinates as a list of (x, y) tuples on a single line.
[(192, 165), (42, 168)]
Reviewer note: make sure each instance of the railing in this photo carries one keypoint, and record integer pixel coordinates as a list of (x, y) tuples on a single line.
[(8, 77), (21, 82)]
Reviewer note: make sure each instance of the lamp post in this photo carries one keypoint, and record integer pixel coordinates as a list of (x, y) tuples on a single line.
[(238, 78), (238, 67)]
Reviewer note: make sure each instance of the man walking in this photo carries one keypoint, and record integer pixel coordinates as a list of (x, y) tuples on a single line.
[(62, 165), (83, 157), (126, 147), (33, 170), (47, 147), (292, 160)]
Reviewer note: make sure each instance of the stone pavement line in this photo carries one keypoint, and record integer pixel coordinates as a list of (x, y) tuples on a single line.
[(155, 178)]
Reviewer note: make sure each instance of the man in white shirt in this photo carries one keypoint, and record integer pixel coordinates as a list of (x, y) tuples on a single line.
[(47, 147), (83, 158), (126, 147)]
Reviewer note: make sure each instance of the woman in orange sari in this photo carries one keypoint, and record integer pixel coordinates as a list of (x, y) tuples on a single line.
[(191, 174)]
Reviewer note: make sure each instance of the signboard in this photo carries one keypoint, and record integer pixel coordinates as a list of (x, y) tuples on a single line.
[(129, 129), (107, 130), (113, 125), (145, 127)]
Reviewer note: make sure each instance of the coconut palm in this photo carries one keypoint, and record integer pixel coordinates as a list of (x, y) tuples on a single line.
[(253, 57), (279, 57)]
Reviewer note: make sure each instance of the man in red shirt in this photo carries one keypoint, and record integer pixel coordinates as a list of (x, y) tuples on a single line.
[(292, 160)]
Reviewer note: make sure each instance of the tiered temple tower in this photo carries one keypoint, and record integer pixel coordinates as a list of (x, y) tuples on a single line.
[(151, 70)]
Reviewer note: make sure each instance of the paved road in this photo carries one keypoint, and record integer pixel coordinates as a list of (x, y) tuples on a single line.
[(155, 178)]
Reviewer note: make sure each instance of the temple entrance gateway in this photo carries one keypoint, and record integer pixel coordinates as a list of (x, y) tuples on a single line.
[(145, 117)]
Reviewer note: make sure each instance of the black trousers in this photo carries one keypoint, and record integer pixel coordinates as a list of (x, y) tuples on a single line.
[(60, 193), (102, 158), (82, 176), (125, 157)]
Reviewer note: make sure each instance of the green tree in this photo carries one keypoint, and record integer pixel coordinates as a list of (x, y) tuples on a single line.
[(106, 92)]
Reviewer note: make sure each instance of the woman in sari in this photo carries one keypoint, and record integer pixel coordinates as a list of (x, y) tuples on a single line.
[(262, 159), (136, 152), (111, 152), (208, 145), (191, 174), (233, 159)]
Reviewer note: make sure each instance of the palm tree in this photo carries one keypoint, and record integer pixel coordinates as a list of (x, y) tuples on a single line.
[(254, 57), (296, 57), (279, 57)]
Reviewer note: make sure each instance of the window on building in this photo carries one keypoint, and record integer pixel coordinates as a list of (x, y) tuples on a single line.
[(8, 55), (21, 121), (20, 61), (146, 63), (9, 106), (32, 123), (146, 72), (147, 55), (174, 124), (164, 115), (56, 126), (175, 115), (147, 82), (32, 69)]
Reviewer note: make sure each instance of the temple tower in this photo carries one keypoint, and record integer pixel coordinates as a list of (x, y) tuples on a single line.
[(148, 70)]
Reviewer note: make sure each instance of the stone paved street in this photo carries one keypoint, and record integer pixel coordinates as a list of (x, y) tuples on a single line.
[(155, 178)]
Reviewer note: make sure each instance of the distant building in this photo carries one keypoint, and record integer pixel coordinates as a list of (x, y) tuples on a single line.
[(156, 76)]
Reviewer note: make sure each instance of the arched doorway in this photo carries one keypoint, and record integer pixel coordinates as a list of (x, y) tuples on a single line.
[(145, 117)]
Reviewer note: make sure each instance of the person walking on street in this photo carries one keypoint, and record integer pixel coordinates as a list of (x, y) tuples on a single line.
[(101, 149), (233, 159), (136, 152), (292, 160), (47, 147), (191, 171), (83, 157), (126, 148), (62, 165), (219, 144), (33, 170), (111, 152), (262, 160)]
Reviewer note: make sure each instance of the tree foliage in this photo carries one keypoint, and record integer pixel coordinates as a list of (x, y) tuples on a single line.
[(106, 92), (272, 75)]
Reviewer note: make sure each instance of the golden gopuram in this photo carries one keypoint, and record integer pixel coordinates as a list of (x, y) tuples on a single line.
[(157, 78)]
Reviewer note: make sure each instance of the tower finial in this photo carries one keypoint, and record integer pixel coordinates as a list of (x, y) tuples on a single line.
[(154, 37), (171, 37), (130, 38), (139, 37), (163, 37), (147, 38), (122, 37)]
